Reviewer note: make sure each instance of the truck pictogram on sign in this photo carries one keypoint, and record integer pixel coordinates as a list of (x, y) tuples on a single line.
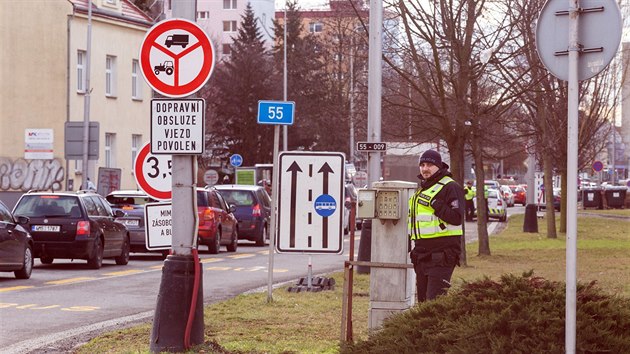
[(180, 49)]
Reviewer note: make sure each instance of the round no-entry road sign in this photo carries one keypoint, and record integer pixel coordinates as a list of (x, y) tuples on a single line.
[(153, 173), (176, 57)]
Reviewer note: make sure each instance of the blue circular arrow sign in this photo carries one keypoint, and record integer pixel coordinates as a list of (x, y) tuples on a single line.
[(236, 160), (325, 205)]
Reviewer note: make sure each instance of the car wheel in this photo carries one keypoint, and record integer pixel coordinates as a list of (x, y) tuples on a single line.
[(96, 261), (260, 241), (216, 245), (503, 218), (123, 259), (46, 260), (359, 225), (27, 268), (234, 244)]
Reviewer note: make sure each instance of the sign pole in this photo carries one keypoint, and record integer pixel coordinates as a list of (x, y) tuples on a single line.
[(572, 143), (274, 211)]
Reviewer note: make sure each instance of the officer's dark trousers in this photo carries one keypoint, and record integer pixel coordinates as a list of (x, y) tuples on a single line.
[(433, 276), (470, 210)]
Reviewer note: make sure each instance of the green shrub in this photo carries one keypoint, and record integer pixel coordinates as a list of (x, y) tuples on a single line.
[(515, 315)]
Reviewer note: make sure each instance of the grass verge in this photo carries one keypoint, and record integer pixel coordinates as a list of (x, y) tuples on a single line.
[(310, 322)]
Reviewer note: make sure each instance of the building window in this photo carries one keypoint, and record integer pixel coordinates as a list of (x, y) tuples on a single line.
[(110, 149), (227, 49), (111, 2), (229, 4), (203, 15), (315, 27), (81, 60), (229, 26), (136, 81), (110, 76), (136, 141)]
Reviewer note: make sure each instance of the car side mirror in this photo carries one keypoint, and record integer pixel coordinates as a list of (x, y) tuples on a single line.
[(232, 208), (22, 220), (119, 213)]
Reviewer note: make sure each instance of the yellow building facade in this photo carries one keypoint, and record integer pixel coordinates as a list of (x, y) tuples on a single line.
[(43, 77)]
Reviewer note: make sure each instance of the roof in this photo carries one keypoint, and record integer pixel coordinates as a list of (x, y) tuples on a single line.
[(130, 13), (130, 192)]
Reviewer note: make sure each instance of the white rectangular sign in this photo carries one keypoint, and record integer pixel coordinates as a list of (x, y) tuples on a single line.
[(310, 202), (158, 222), (38, 144), (177, 126)]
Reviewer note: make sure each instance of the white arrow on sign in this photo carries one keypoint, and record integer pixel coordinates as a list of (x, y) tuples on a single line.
[(310, 202)]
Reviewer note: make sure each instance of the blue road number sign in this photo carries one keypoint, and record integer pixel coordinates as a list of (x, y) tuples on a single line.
[(325, 205), (236, 160), (275, 112)]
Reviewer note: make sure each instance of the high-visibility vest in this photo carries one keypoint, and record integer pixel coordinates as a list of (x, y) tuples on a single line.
[(422, 221), (470, 193)]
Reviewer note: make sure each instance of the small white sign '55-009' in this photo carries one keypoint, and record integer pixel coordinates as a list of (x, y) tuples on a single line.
[(177, 126)]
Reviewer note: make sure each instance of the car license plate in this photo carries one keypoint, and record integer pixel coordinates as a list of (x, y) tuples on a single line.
[(46, 228), (130, 222)]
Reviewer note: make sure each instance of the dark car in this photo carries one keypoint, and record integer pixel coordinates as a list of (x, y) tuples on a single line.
[(131, 203), (217, 223), (16, 244), (74, 225), (253, 210)]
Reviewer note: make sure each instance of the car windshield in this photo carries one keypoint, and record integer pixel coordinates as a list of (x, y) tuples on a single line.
[(492, 193), (238, 198), (48, 206)]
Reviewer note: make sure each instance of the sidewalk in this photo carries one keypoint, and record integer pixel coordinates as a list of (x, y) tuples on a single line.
[(471, 229)]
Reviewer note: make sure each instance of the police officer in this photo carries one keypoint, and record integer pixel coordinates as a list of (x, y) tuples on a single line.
[(435, 226), (469, 193)]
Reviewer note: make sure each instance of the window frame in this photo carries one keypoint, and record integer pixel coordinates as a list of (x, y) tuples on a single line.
[(136, 80), (81, 70), (110, 75)]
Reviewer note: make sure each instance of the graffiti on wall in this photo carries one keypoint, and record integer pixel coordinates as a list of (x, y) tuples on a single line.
[(24, 175)]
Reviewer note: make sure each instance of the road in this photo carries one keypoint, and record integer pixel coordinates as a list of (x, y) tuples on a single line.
[(67, 300)]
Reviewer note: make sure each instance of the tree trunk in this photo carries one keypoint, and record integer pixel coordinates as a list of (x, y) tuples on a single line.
[(548, 183), (482, 215)]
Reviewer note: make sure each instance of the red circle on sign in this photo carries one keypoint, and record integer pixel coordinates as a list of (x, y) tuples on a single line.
[(141, 179), (152, 73), (598, 166)]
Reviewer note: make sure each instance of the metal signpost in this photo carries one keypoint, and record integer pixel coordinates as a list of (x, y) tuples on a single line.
[(276, 113), (176, 60), (572, 55)]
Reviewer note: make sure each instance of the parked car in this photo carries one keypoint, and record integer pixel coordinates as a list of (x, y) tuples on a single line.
[(74, 225), (252, 210), (520, 194), (351, 196), (16, 244), (131, 203), (507, 194), (217, 223), (497, 206)]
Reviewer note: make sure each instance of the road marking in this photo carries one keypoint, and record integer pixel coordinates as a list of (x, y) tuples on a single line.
[(45, 307), (254, 269), (125, 272), (6, 304), (218, 268), (68, 281), (243, 255), (80, 308), (13, 288), (156, 267), (25, 306), (211, 260), (280, 270), (263, 252)]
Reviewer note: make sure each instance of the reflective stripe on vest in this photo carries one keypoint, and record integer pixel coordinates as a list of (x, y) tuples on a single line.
[(422, 222)]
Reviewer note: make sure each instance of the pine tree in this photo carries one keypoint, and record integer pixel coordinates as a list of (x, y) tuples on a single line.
[(307, 85), (238, 84)]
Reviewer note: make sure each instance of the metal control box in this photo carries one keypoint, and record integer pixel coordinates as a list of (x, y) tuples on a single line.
[(366, 203), (388, 204)]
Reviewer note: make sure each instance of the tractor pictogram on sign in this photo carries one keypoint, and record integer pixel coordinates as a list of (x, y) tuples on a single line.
[(180, 49)]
